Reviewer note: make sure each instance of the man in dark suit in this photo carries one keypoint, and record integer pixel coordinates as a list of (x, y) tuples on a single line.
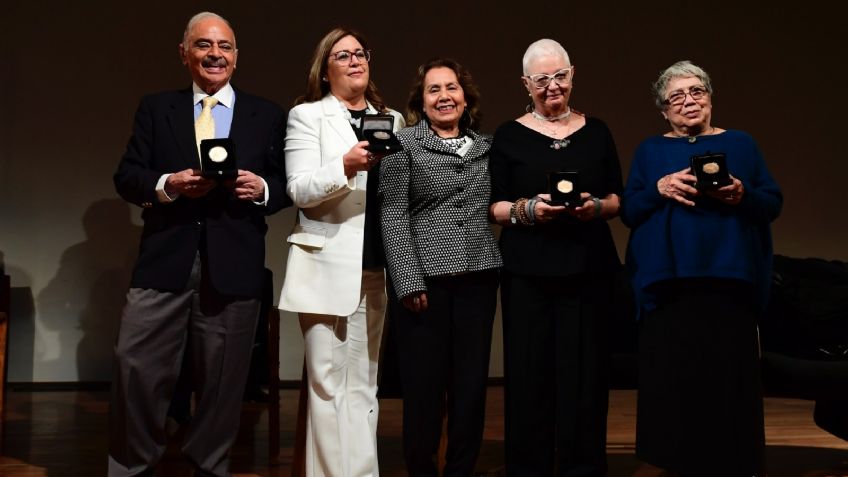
[(198, 280)]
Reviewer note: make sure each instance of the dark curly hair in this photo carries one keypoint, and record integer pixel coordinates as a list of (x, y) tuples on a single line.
[(470, 119)]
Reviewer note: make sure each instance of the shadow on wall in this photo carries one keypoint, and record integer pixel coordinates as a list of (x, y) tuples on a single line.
[(90, 287)]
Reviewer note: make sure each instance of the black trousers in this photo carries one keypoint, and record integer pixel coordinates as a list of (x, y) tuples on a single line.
[(443, 355), (700, 408), (556, 374)]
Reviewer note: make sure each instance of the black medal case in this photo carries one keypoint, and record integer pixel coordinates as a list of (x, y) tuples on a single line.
[(711, 170), (378, 130), (563, 187), (218, 158)]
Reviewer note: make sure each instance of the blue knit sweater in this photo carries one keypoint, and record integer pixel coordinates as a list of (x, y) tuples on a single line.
[(669, 240)]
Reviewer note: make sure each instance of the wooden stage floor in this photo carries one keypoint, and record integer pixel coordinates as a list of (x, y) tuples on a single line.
[(63, 434)]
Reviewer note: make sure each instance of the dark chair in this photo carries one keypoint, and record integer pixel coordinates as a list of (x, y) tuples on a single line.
[(5, 288), (805, 337)]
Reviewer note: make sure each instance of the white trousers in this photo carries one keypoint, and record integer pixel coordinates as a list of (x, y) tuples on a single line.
[(341, 363)]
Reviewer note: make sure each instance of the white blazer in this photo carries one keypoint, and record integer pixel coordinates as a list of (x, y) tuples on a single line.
[(324, 269)]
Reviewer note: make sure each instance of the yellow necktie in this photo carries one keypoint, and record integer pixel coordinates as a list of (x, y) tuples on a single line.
[(204, 127)]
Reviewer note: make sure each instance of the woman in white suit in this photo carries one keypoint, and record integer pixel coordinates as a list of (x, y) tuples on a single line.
[(335, 272)]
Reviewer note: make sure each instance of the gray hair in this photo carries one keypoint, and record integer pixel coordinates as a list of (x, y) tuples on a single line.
[(541, 49), (197, 19), (681, 69)]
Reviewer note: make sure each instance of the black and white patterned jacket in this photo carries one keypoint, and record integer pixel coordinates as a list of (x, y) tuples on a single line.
[(434, 209)]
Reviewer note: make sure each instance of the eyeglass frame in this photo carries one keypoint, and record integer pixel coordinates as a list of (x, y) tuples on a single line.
[(687, 92), (366, 54), (549, 78)]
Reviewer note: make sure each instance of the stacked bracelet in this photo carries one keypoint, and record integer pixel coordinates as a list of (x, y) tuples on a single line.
[(513, 216), (518, 213), (521, 208), (531, 209), (597, 202)]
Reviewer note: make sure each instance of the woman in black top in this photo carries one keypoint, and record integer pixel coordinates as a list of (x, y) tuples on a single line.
[(556, 287)]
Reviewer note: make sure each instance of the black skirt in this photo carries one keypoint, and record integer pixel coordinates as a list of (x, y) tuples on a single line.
[(700, 404)]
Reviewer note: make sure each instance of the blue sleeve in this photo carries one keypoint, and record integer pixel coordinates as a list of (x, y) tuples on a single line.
[(641, 197), (763, 200)]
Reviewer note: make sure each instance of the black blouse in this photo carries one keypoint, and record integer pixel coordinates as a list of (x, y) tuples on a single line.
[(373, 255), (520, 160)]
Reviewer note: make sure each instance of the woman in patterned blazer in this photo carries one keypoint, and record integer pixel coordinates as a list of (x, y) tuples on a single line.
[(443, 264)]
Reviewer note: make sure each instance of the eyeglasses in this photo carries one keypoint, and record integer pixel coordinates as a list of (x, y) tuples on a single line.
[(561, 77), (345, 56), (677, 98)]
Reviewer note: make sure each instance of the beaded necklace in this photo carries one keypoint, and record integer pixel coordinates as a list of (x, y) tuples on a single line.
[(454, 143)]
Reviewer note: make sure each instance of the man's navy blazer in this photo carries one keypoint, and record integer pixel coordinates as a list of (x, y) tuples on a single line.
[(230, 232)]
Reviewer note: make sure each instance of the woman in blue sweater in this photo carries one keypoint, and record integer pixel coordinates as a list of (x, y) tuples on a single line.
[(700, 257)]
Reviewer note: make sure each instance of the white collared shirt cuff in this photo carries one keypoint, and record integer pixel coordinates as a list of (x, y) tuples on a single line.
[(160, 190), (265, 199)]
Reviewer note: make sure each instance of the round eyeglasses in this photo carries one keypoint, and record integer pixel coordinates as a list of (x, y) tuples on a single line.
[(677, 98), (346, 56), (541, 80)]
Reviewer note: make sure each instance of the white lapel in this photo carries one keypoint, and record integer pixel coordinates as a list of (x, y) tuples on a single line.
[(335, 117)]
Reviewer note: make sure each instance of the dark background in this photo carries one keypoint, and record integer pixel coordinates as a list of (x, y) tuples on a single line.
[(73, 73)]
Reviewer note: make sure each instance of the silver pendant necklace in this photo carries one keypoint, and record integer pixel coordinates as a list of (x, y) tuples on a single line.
[(694, 139), (557, 144)]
